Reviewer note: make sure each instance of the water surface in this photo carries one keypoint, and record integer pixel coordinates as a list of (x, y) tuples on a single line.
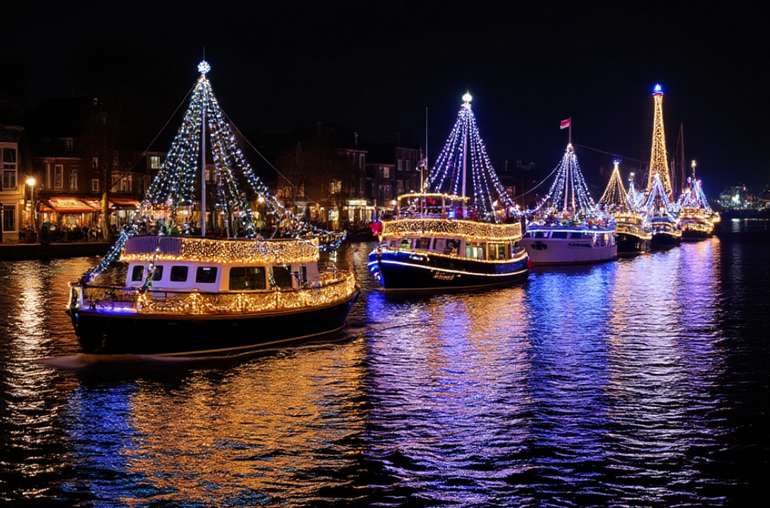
[(643, 381)]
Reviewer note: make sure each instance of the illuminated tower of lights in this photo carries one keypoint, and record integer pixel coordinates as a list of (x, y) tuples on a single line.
[(658, 154), (615, 195), (464, 157)]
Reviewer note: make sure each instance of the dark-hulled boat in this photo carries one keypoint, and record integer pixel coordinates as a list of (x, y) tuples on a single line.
[(186, 294), (211, 297), (442, 240), (432, 249), (632, 230), (696, 217), (634, 233)]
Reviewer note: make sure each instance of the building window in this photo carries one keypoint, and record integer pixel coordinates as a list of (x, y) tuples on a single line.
[(335, 187), (73, 181), (125, 183), (47, 175), (58, 176), (95, 162), (9, 217), (385, 171), (69, 144), (154, 161), (94, 185), (9, 168)]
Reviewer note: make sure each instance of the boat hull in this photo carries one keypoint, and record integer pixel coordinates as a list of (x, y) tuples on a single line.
[(631, 244), (203, 335), (665, 240), (410, 271), (552, 251)]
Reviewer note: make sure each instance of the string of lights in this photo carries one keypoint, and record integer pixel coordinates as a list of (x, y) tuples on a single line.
[(464, 144), (569, 192)]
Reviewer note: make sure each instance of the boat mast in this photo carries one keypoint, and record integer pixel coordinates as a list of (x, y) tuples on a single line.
[(203, 67), (467, 98)]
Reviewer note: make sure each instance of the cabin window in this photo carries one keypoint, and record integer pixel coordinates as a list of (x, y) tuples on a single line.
[(282, 277), (137, 273), (178, 274), (301, 275), (157, 274), (206, 274), (559, 234), (422, 244), (406, 244), (247, 277), (540, 234), (474, 250), (576, 236), (439, 244), (452, 247), (497, 251)]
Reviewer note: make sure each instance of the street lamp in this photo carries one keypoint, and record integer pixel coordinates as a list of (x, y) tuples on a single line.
[(31, 182)]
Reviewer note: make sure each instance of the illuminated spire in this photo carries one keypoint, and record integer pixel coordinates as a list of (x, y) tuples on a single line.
[(658, 154)]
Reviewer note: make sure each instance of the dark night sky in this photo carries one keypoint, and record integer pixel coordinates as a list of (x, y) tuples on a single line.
[(374, 69)]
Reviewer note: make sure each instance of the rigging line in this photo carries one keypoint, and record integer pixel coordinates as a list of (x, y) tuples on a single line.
[(514, 198), (608, 153), (255, 149), (154, 139)]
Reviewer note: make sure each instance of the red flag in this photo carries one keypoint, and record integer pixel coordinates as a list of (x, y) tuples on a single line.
[(564, 124)]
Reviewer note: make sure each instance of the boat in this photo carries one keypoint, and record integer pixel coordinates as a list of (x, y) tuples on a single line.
[(632, 229), (440, 238), (201, 282), (666, 232), (696, 217), (567, 227), (436, 248), (189, 296)]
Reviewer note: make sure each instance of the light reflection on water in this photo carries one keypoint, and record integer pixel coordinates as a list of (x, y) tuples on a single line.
[(636, 382)]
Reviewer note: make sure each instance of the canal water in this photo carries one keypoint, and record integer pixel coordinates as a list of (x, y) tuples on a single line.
[(642, 381)]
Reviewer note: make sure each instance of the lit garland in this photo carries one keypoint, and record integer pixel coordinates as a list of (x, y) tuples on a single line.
[(657, 202), (203, 250), (174, 185), (568, 194), (658, 153), (447, 173), (470, 230), (329, 292), (615, 195)]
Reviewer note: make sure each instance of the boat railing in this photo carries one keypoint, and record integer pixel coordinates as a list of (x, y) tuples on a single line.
[(451, 228), (120, 299)]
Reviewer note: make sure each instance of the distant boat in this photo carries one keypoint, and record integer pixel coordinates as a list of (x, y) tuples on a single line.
[(633, 231), (666, 232), (696, 217)]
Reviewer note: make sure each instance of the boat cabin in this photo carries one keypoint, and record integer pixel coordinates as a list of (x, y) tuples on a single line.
[(598, 238), (208, 265), (432, 205)]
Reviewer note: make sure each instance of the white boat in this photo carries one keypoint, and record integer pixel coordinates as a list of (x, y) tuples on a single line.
[(567, 227), (559, 245)]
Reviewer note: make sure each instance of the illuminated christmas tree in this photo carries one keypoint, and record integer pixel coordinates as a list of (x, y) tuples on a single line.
[(693, 196), (658, 153), (634, 198), (180, 185), (657, 202), (615, 196), (568, 193), (450, 172)]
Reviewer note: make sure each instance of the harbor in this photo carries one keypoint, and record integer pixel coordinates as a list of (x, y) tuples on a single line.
[(384, 254), (648, 372)]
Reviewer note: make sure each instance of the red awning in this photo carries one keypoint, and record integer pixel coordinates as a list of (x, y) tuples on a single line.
[(69, 205), (124, 203)]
